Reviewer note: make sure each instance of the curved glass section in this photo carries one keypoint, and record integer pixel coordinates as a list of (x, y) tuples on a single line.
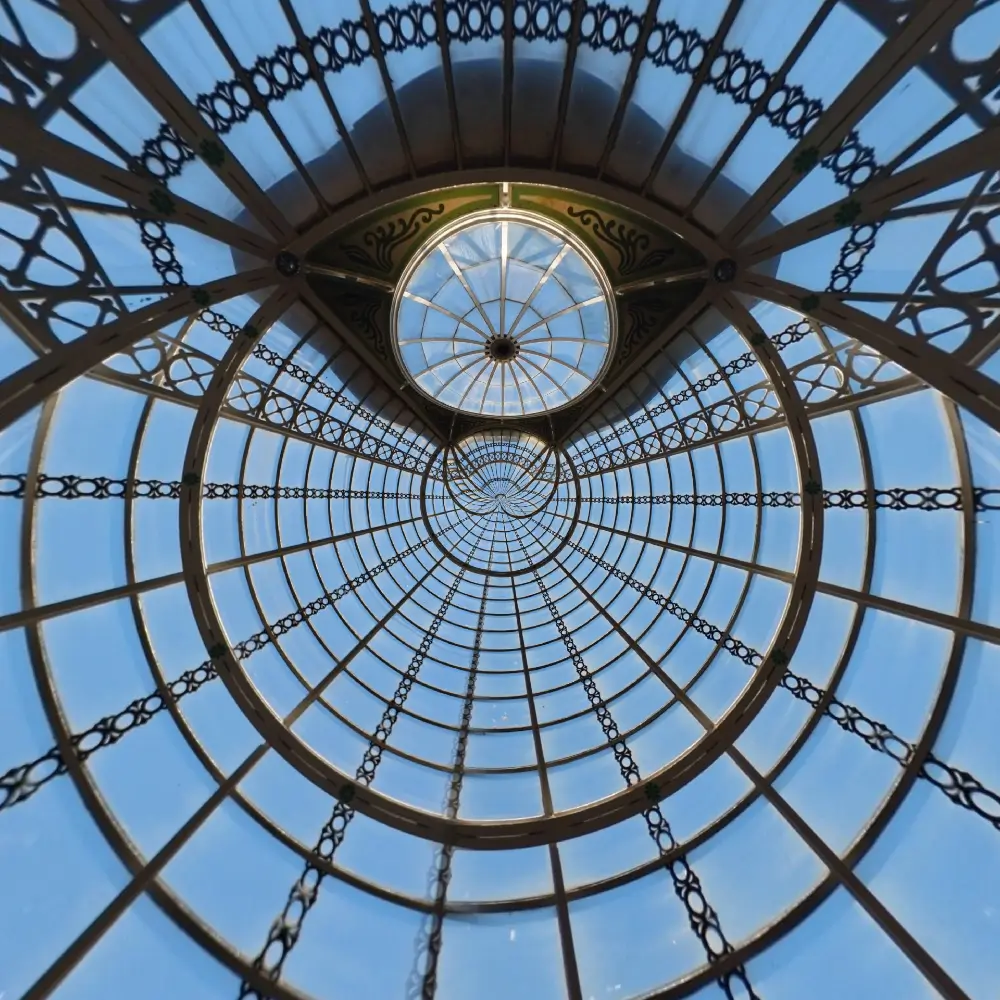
[(688, 690), (505, 316)]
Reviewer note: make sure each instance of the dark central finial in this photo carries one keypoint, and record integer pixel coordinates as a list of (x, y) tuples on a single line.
[(502, 347)]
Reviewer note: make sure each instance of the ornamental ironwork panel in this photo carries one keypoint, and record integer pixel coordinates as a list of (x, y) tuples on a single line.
[(959, 786), (21, 782), (702, 917), (287, 926)]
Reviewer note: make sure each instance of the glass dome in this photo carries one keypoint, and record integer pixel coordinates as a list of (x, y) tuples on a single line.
[(504, 317), (322, 681)]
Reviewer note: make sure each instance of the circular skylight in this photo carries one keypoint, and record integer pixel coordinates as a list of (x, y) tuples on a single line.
[(504, 316)]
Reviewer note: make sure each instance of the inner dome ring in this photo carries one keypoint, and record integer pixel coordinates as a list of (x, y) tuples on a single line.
[(504, 314)]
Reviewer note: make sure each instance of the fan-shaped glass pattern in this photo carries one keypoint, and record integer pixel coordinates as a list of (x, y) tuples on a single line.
[(505, 317), (314, 687)]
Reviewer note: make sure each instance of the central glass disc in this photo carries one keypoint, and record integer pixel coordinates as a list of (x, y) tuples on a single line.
[(503, 316)]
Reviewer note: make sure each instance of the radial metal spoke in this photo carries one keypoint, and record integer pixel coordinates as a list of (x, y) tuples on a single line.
[(449, 78), (40, 612), (463, 281), (928, 23), (576, 307), (702, 917), (700, 76), (287, 927), (376, 44), (305, 47), (447, 312), (625, 94), (422, 983), (21, 782), (576, 19)]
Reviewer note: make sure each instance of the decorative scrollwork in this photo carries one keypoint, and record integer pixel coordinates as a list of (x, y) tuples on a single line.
[(20, 783), (629, 243), (363, 312), (383, 241), (166, 362), (960, 272), (285, 931)]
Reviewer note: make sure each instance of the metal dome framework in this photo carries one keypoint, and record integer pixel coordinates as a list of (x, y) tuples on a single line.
[(303, 699)]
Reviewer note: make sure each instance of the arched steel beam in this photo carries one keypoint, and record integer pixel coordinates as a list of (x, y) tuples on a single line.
[(875, 200), (123, 49), (899, 53)]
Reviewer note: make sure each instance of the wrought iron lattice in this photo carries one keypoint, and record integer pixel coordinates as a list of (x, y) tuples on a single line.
[(422, 983), (287, 927), (20, 783), (702, 916), (961, 787)]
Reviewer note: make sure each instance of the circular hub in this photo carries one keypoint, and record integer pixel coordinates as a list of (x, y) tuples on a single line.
[(502, 348)]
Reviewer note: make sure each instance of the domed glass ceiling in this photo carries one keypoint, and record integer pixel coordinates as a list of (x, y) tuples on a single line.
[(313, 688), (504, 317)]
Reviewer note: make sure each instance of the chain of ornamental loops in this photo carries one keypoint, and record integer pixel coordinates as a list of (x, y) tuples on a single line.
[(21, 782), (286, 928), (13, 486), (712, 632), (422, 982), (897, 498), (601, 26), (959, 786), (702, 916), (616, 29), (231, 331)]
